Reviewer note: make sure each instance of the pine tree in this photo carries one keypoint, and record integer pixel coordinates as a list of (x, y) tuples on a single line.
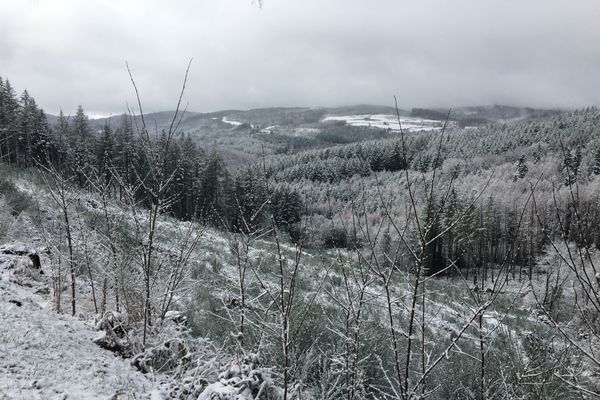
[(521, 168), (25, 132), (251, 198), (190, 171), (126, 154), (3, 121), (60, 133), (44, 146), (105, 147), (210, 189), (465, 229), (81, 146), (596, 167), (286, 207), (171, 165), (448, 221), (571, 166), (9, 108), (376, 159), (433, 260), (33, 138)]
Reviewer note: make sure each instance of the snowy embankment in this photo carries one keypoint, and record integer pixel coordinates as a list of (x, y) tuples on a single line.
[(45, 355)]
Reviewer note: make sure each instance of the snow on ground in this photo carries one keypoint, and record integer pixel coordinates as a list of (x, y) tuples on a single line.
[(231, 122), (45, 355), (384, 121)]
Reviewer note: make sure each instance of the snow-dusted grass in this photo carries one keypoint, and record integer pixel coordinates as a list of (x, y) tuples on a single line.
[(44, 355)]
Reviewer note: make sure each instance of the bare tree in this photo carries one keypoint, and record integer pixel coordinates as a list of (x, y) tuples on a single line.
[(62, 192), (582, 329), (154, 187)]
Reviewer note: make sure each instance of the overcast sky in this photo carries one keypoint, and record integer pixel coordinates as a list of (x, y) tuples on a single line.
[(539, 53)]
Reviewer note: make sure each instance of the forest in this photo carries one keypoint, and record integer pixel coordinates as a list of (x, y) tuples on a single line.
[(344, 262)]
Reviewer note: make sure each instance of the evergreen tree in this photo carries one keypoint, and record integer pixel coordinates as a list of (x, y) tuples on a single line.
[(60, 134), (465, 230), (9, 113), (596, 167), (251, 198), (44, 149), (521, 168), (286, 206), (376, 159), (3, 121), (433, 260), (126, 154), (571, 166), (190, 162), (33, 133), (396, 162), (450, 214), (210, 189), (105, 148), (26, 130), (81, 146), (172, 168)]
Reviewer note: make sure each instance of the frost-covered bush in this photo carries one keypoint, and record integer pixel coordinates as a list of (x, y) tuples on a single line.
[(187, 366), (243, 380), (164, 357), (114, 334), (196, 368)]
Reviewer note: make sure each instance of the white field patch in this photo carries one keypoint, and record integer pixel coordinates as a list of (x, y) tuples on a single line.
[(385, 121), (231, 122)]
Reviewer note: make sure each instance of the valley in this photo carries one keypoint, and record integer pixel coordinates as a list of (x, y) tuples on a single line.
[(310, 250)]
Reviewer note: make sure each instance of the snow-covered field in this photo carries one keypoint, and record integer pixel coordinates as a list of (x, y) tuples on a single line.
[(231, 122), (384, 121)]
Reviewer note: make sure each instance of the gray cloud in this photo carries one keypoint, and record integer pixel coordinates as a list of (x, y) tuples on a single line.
[(541, 53)]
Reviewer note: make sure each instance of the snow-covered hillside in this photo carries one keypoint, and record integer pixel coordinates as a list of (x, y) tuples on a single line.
[(221, 337), (45, 355), (387, 122), (50, 355)]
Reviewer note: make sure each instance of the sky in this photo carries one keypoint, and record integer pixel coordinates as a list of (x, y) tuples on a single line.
[(429, 53)]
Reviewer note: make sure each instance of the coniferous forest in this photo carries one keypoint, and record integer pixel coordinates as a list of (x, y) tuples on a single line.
[(330, 201), (370, 267)]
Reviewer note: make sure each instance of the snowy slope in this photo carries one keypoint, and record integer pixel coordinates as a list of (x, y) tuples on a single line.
[(45, 355)]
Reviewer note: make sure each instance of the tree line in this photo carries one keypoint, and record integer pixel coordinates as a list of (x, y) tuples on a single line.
[(201, 187), (310, 186)]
